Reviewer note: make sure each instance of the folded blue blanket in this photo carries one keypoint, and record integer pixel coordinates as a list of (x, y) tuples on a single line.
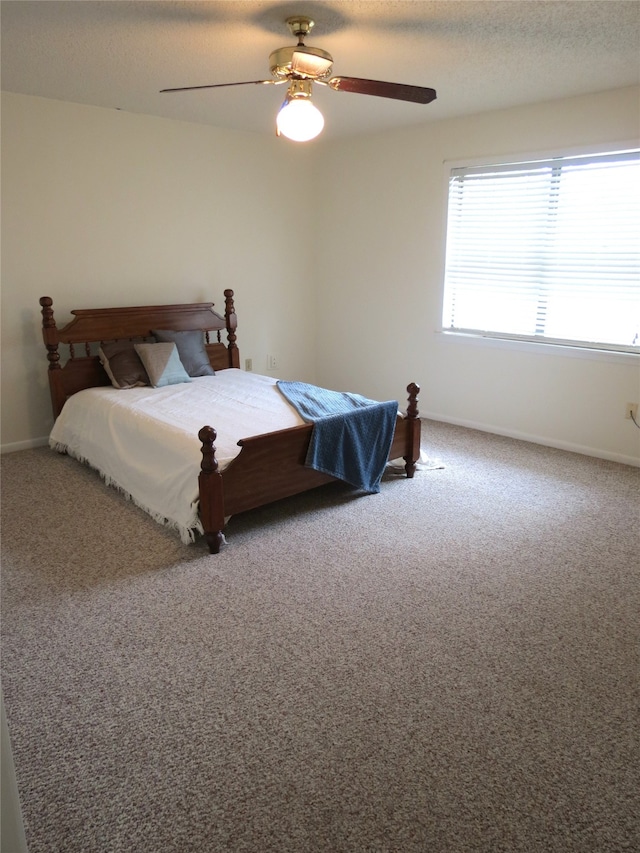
[(351, 436)]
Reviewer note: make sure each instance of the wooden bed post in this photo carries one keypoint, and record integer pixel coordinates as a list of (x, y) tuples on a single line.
[(50, 333), (413, 430), (211, 491), (50, 336), (231, 323)]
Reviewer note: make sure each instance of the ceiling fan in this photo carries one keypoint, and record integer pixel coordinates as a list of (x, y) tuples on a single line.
[(300, 66)]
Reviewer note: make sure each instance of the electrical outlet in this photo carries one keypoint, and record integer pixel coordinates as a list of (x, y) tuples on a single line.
[(632, 411), (271, 362), (248, 364)]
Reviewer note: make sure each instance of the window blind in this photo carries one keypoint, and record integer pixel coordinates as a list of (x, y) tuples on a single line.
[(546, 250)]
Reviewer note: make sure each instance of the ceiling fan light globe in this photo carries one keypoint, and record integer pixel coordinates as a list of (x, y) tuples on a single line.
[(299, 120)]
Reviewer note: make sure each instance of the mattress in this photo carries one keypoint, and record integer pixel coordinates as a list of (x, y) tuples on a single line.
[(144, 441)]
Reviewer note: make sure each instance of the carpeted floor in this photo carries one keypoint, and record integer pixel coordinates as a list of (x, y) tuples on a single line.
[(449, 666)]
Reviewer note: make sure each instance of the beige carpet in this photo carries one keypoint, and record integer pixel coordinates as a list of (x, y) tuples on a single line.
[(449, 666)]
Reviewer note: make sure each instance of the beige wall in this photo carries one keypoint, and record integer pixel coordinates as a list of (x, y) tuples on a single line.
[(104, 208), (383, 221), (101, 207)]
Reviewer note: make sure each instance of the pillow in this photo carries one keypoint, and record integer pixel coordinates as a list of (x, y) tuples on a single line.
[(122, 364), (162, 363), (191, 350)]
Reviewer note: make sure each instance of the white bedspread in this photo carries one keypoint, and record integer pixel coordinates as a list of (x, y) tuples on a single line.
[(145, 440)]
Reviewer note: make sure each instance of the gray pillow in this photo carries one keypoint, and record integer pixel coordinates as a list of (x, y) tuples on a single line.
[(122, 364), (191, 350)]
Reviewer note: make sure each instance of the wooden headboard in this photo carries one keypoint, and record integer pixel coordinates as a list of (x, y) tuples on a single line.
[(91, 327)]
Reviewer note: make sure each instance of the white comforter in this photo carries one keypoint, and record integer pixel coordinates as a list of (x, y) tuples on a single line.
[(145, 440)]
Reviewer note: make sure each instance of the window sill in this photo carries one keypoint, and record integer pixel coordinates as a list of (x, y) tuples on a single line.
[(460, 338)]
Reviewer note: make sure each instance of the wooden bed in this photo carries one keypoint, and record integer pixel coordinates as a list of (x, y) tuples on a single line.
[(268, 467)]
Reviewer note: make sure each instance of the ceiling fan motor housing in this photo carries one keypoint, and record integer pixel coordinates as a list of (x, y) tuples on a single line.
[(300, 61)]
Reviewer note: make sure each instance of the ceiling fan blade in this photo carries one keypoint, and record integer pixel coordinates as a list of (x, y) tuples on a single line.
[(398, 91), (220, 85)]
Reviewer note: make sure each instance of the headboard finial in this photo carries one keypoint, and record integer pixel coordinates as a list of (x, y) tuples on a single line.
[(231, 323), (47, 311), (50, 332)]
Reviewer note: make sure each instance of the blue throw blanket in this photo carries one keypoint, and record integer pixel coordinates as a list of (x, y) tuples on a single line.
[(351, 436)]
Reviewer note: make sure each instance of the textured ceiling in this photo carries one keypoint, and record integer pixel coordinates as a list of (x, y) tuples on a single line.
[(478, 55)]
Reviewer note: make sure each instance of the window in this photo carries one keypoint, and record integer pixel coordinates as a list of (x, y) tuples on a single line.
[(547, 250)]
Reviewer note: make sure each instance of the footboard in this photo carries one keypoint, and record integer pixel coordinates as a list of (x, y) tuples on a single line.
[(271, 466)]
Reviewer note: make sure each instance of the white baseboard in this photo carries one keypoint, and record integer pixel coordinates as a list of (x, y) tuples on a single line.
[(536, 439), (24, 445), (434, 416)]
